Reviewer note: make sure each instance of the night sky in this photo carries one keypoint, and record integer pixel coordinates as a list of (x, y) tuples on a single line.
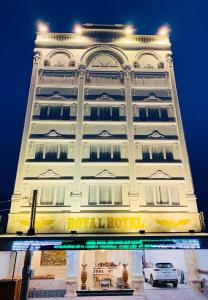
[(189, 22)]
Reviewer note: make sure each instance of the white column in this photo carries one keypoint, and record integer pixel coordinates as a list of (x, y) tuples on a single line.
[(133, 196), (76, 192), (137, 274), (72, 273)]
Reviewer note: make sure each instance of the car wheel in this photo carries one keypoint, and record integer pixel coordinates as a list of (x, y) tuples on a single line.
[(152, 282), (175, 285)]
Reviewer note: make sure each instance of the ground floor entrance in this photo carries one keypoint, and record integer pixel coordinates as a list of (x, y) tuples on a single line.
[(116, 274)]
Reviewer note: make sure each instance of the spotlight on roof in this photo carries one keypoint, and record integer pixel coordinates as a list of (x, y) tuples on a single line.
[(129, 29), (77, 28), (164, 30), (42, 27)]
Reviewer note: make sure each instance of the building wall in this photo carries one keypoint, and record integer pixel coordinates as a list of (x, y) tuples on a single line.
[(103, 129)]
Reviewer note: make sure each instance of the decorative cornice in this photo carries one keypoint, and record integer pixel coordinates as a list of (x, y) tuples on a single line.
[(73, 40)]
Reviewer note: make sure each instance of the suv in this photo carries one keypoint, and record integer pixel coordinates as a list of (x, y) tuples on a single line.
[(160, 273)]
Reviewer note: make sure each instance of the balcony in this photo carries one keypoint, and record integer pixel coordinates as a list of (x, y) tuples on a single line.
[(57, 80), (145, 81), (104, 79)]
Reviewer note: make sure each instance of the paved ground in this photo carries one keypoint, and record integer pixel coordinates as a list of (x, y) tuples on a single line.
[(167, 292), (156, 294)]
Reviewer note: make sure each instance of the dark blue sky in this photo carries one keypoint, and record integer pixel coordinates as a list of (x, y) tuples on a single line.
[(189, 37)]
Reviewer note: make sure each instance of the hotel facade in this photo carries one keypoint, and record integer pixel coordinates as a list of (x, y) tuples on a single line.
[(103, 145)]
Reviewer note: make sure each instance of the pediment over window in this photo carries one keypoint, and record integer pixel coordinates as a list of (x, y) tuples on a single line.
[(105, 61), (48, 174), (104, 97), (160, 175), (104, 133), (52, 133), (105, 174), (57, 96), (152, 98), (155, 134)]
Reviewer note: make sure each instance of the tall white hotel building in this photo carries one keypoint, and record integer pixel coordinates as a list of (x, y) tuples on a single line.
[(103, 141)]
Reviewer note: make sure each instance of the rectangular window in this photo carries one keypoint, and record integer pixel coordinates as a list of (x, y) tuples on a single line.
[(105, 195), (105, 152), (51, 195), (161, 195)]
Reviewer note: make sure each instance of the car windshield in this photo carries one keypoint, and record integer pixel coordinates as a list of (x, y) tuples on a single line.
[(164, 265)]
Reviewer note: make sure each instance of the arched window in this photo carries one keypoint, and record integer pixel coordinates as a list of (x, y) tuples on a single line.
[(104, 61), (147, 61), (59, 59)]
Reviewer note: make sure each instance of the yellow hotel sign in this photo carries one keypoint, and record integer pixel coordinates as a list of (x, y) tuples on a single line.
[(125, 224), (106, 222)]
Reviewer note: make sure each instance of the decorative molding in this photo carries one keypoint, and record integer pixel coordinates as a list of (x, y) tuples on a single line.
[(59, 64), (148, 66), (104, 133), (49, 173), (160, 174), (105, 174), (36, 57), (152, 98), (155, 134), (104, 97), (36, 106), (52, 133), (57, 96)]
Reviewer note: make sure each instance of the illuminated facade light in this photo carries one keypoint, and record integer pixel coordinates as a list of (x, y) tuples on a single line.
[(164, 30), (42, 27), (78, 28), (129, 29)]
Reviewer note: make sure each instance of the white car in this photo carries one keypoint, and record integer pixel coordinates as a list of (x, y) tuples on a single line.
[(164, 272)]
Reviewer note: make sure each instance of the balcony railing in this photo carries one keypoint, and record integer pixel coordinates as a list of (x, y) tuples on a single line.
[(153, 82), (104, 81), (56, 80)]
